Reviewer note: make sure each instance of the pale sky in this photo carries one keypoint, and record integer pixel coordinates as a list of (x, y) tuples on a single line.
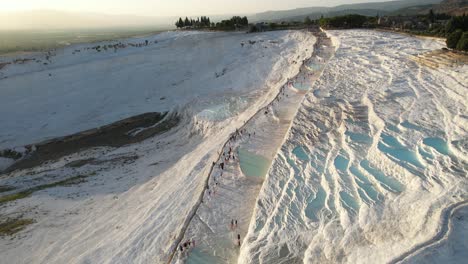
[(168, 7)]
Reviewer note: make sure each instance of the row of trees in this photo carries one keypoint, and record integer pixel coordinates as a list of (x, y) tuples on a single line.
[(457, 33), (235, 22), (204, 22), (201, 22)]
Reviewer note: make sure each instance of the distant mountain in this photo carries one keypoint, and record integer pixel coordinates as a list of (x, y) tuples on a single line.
[(363, 12), (453, 7), (277, 15), (413, 10), (372, 8), (387, 6)]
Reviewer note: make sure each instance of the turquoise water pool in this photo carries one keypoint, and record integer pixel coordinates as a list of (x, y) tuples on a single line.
[(253, 165), (349, 202), (365, 186), (197, 256), (315, 203), (395, 149), (438, 144), (314, 67), (358, 137), (386, 182), (341, 163), (392, 128), (300, 153), (425, 154), (301, 86)]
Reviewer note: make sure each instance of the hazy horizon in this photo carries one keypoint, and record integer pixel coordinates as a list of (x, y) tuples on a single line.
[(166, 8), (161, 14)]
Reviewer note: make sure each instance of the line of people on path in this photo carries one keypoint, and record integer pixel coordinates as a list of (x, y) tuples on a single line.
[(227, 155), (234, 227)]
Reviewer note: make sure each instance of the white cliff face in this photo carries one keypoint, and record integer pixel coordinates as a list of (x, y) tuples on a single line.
[(76, 91), (134, 199), (376, 153)]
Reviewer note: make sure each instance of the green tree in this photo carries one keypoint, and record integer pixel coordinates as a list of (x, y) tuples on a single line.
[(453, 38), (186, 22), (457, 22), (431, 16), (202, 21), (179, 23), (244, 21), (324, 22), (463, 42), (307, 20)]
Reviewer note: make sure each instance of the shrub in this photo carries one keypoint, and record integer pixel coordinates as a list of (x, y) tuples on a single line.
[(12, 226), (463, 42), (453, 38)]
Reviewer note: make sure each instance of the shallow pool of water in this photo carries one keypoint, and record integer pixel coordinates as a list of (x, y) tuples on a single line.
[(223, 110), (365, 185), (438, 144), (253, 165), (341, 163), (392, 128), (386, 182), (315, 204), (425, 154), (197, 256), (300, 153), (314, 67), (395, 149), (349, 201), (301, 86), (358, 137)]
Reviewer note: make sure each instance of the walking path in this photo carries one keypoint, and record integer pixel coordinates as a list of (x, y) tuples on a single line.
[(237, 177)]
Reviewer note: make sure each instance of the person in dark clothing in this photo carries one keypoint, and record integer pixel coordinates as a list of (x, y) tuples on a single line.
[(181, 248), (238, 240)]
